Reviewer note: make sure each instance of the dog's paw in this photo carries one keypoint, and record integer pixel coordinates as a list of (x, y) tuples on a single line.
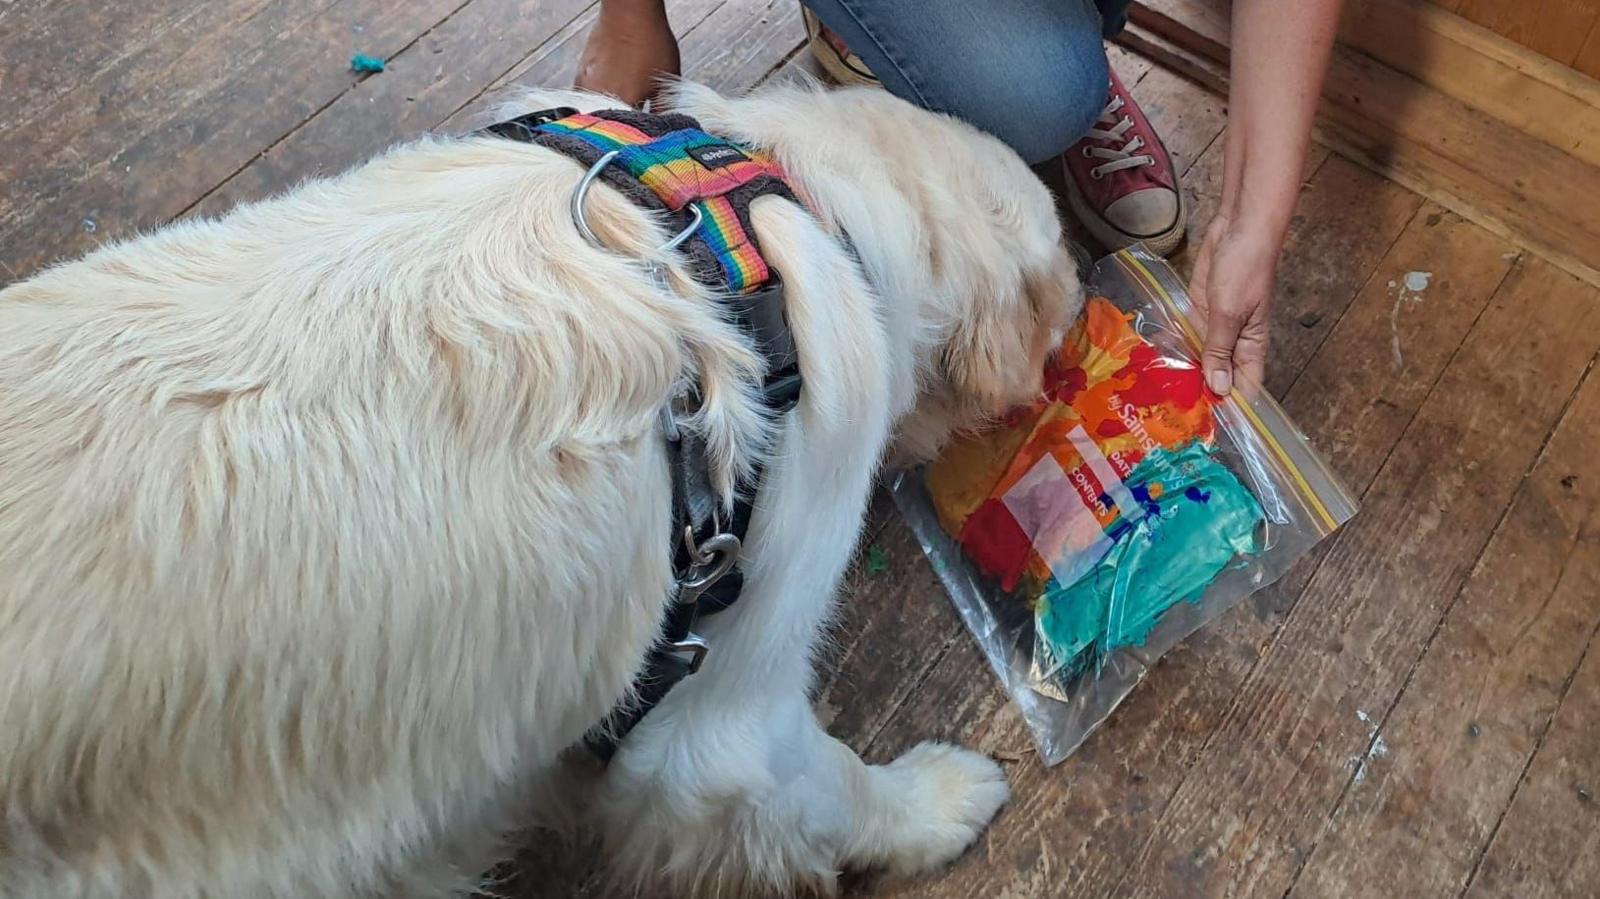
[(949, 795)]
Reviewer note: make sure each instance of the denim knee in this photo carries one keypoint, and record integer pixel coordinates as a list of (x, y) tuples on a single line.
[(1044, 107), (1031, 72)]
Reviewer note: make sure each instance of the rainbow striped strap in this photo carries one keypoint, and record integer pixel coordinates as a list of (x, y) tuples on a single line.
[(667, 163)]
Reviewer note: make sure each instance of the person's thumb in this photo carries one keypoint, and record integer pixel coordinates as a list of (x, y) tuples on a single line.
[(1222, 335)]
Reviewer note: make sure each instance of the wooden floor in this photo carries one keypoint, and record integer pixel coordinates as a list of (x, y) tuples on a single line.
[(1414, 711)]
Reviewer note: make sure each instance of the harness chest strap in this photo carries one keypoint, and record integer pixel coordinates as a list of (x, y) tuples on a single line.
[(667, 164)]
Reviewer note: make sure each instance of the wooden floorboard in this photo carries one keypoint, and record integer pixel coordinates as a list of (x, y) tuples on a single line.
[(50, 50), (1483, 696), (702, 25), (1526, 91), (145, 147), (1247, 819), (421, 86), (1548, 843), (1191, 119), (1409, 712), (447, 78)]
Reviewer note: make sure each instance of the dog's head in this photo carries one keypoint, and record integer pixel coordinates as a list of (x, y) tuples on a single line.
[(960, 239), (1005, 286)]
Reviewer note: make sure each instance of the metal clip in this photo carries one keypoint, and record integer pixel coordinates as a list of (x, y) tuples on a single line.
[(695, 646), (712, 560), (582, 222)]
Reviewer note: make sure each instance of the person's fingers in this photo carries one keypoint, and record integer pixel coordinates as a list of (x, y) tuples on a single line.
[(1223, 325), (1250, 354)]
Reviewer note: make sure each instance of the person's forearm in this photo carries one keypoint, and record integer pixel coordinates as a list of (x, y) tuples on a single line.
[(634, 6), (629, 51), (1280, 54), (636, 10)]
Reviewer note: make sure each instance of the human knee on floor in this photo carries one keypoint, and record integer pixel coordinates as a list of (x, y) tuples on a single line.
[(1041, 101)]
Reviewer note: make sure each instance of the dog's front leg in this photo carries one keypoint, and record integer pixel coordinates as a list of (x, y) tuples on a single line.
[(731, 783)]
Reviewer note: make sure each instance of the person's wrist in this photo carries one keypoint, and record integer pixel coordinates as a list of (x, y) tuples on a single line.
[(1261, 234), (1264, 209)]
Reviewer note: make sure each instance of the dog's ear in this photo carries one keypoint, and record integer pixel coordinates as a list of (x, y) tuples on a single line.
[(985, 358), (996, 355), (1056, 294)]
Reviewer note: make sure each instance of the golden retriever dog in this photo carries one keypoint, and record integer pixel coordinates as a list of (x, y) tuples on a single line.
[(329, 528)]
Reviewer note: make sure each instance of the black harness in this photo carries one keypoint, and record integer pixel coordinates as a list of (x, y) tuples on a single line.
[(668, 165)]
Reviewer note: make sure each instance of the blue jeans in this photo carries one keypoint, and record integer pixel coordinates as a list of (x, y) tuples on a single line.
[(1031, 72)]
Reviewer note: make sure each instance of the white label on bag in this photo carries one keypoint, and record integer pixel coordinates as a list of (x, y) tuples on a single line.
[(1105, 474), (1058, 512)]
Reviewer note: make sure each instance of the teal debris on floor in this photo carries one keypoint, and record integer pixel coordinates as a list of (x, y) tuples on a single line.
[(877, 560)]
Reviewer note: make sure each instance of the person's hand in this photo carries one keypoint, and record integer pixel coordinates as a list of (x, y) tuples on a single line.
[(1232, 290), (629, 51)]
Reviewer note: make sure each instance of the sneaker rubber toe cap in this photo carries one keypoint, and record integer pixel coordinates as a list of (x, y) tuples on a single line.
[(1144, 213)]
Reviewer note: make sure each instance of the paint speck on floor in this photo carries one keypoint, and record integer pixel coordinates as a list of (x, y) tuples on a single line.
[(1376, 748), (877, 560), (1408, 291)]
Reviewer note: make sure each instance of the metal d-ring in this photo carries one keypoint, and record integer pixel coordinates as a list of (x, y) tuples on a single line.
[(582, 192), (711, 559)]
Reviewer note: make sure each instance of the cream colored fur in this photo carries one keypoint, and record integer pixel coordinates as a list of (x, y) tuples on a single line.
[(327, 526)]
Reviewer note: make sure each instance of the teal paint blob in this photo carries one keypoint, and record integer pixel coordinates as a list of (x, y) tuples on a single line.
[(877, 560), (361, 62), (1203, 520)]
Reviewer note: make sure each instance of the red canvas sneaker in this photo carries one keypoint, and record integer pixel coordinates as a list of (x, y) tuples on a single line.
[(1120, 181)]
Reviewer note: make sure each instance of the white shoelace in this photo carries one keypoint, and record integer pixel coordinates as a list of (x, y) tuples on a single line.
[(1122, 156)]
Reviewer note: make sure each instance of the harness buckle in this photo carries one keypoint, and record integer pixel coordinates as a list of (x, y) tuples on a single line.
[(782, 390), (520, 129), (693, 644)]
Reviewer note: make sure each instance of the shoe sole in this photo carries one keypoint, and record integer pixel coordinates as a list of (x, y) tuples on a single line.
[(835, 66), (1111, 239)]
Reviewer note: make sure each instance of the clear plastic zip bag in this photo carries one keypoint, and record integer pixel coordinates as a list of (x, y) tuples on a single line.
[(1092, 531)]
